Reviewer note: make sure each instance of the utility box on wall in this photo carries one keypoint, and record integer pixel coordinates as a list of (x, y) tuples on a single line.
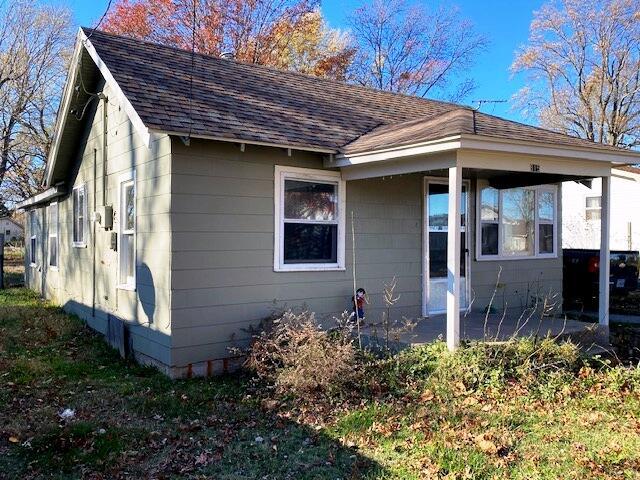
[(105, 216)]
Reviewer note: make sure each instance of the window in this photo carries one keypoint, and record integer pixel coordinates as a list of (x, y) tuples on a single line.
[(489, 207), (53, 235), (517, 222), (127, 233), (309, 220), (80, 216), (33, 244), (7, 232), (593, 208), (32, 250)]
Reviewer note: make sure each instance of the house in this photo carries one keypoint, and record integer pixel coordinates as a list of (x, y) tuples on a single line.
[(582, 206), (11, 229), (183, 205)]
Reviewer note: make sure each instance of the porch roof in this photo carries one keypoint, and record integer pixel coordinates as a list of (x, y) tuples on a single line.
[(461, 121)]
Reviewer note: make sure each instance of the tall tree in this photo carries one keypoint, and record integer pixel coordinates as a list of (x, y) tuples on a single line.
[(409, 49), (34, 50), (583, 66), (287, 34)]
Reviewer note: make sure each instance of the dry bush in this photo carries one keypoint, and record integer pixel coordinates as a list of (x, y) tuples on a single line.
[(301, 359)]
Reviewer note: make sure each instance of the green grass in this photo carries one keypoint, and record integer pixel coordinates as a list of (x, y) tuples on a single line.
[(13, 266), (469, 415)]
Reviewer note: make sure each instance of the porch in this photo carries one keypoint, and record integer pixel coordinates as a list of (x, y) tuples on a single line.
[(524, 240), (499, 327)]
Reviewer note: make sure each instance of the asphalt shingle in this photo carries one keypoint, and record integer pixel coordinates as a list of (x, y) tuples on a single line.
[(243, 102)]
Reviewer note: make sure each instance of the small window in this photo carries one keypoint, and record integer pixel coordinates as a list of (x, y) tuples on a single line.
[(593, 208), (517, 222), (7, 232), (33, 244), (546, 221), (80, 216), (309, 220), (32, 250), (489, 209), (53, 235), (127, 234)]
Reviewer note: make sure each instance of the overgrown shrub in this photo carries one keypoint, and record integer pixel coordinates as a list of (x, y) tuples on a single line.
[(301, 359)]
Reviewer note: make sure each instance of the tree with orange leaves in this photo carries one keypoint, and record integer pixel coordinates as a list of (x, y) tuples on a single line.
[(287, 34)]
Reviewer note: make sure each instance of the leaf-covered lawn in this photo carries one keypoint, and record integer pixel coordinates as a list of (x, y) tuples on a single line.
[(132, 422)]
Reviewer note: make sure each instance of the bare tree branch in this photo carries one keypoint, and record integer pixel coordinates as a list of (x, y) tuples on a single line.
[(583, 65), (34, 46), (409, 49)]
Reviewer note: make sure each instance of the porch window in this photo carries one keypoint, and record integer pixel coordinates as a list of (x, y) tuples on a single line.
[(53, 235), (309, 220), (127, 233), (593, 208), (517, 222), (79, 216)]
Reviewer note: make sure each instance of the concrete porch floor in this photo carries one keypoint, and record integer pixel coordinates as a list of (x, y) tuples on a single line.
[(472, 327)]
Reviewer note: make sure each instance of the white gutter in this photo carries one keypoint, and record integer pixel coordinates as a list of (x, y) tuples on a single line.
[(42, 197), (247, 142), (477, 142)]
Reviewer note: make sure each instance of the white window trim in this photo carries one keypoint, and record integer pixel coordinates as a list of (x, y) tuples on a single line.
[(592, 209), (56, 235), (85, 227), (308, 174), (126, 179), (537, 255)]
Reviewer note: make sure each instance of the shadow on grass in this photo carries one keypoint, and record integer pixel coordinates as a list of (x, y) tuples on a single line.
[(132, 420)]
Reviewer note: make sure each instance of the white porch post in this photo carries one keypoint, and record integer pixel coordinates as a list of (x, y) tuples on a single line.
[(605, 254), (453, 258)]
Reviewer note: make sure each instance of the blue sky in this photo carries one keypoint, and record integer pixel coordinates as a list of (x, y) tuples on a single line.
[(504, 22)]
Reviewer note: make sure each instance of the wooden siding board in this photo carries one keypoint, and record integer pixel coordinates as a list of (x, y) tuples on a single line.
[(146, 311)]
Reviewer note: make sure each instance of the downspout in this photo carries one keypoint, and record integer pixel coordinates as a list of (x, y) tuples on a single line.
[(105, 119), (93, 233), (44, 238)]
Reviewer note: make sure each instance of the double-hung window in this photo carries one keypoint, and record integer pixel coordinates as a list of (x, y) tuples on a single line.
[(593, 208), (127, 233), (80, 216), (309, 219), (53, 235), (517, 222)]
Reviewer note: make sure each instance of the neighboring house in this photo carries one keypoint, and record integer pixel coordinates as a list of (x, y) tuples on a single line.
[(185, 205), (12, 230), (582, 204)]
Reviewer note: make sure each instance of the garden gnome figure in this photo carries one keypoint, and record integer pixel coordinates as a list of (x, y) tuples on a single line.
[(359, 301)]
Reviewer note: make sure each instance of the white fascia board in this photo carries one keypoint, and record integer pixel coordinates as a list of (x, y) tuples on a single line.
[(477, 142), (424, 148), (61, 120), (247, 142), (83, 41), (141, 128), (42, 197)]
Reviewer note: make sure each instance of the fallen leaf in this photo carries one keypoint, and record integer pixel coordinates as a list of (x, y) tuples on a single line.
[(426, 396)]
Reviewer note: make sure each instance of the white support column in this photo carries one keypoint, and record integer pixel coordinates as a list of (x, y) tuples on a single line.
[(605, 254), (453, 258)]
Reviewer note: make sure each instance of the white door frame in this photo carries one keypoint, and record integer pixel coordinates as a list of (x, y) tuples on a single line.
[(425, 245)]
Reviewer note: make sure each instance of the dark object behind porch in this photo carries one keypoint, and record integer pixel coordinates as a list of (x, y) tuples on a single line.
[(581, 274)]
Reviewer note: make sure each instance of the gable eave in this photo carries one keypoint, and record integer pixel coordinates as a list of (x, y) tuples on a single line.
[(83, 42)]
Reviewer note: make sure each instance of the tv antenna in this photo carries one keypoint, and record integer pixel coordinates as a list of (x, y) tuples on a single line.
[(486, 101)]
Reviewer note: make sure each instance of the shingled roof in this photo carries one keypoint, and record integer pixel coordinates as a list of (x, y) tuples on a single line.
[(242, 102)]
